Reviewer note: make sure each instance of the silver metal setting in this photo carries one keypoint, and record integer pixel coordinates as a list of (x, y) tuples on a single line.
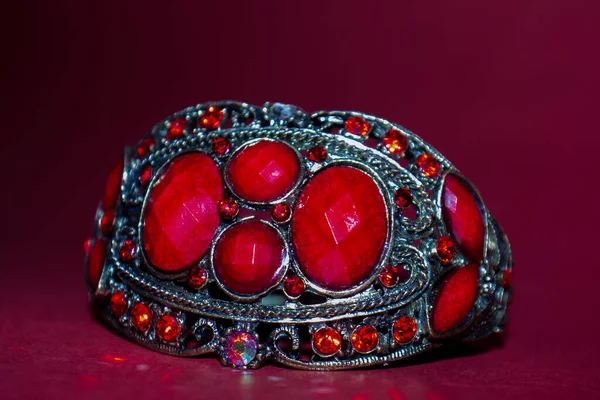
[(281, 324)]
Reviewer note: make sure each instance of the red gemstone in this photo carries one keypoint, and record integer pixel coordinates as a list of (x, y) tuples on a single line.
[(118, 303), (96, 258), (264, 171), (389, 276), (176, 128), (221, 146), (180, 217), (293, 286), (127, 251), (113, 187), (403, 198), (395, 142), (507, 279), (106, 222), (146, 175), (87, 245), (404, 329), (145, 147), (197, 277), (463, 217), (317, 154), (168, 328), (141, 316), (327, 341), (428, 165), (455, 298), (228, 208), (281, 212), (365, 338), (211, 118), (357, 126), (339, 227), (248, 258), (445, 249)]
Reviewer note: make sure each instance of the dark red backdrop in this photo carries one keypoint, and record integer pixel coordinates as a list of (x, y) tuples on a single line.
[(507, 90)]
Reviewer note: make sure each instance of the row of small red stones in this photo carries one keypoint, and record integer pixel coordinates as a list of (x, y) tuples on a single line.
[(327, 341), (168, 327)]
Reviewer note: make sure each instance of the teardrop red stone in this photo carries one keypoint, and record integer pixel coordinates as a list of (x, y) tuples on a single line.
[(180, 216), (463, 217)]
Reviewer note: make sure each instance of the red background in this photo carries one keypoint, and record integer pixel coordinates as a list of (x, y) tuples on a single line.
[(507, 90)]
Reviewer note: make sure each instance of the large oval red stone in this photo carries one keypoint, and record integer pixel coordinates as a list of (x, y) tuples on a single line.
[(95, 261), (339, 227), (112, 190), (263, 171), (463, 217), (455, 298), (180, 216), (248, 258)]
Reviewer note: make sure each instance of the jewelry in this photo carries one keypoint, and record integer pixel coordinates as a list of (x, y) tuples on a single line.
[(322, 241)]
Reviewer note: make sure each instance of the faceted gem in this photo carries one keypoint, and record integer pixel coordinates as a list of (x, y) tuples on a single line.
[(180, 217), (128, 250), (404, 329), (197, 277), (357, 126), (365, 338), (96, 258), (211, 118), (113, 187), (293, 286), (141, 316), (106, 222), (390, 275), (428, 165), (317, 154), (463, 217), (176, 128), (455, 298), (403, 198), (228, 208), (240, 348), (248, 258), (395, 142), (145, 147), (326, 341), (445, 249), (146, 175), (264, 171), (118, 303), (281, 212), (220, 146), (282, 111), (168, 327), (339, 227)]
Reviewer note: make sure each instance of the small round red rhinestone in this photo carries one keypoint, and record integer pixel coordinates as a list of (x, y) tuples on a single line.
[(365, 338), (507, 279), (118, 303), (211, 118), (221, 146), (176, 128), (317, 154), (395, 142), (403, 198), (445, 249), (281, 212), (293, 286), (404, 329), (145, 147), (106, 222), (428, 165), (197, 277), (327, 341), (146, 175), (168, 328), (357, 126), (228, 208), (127, 251), (389, 276), (141, 316)]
